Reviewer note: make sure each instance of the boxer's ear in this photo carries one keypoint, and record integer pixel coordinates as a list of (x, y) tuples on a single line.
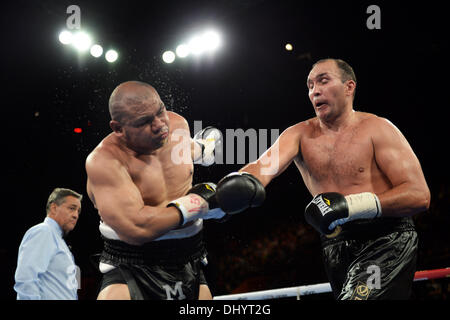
[(350, 87), (116, 127)]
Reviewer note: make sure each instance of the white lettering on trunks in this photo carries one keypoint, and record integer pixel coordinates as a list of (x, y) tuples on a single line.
[(174, 291)]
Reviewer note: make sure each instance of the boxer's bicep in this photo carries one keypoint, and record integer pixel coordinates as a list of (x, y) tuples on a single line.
[(396, 160), (116, 196)]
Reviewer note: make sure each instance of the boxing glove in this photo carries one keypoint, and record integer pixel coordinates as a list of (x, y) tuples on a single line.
[(328, 210), (238, 191), (208, 139)]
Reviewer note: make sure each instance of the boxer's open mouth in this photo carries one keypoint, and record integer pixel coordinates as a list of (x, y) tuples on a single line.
[(321, 104)]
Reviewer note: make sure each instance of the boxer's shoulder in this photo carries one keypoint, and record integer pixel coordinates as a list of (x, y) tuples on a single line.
[(372, 123), (366, 118), (304, 128), (177, 121), (106, 152)]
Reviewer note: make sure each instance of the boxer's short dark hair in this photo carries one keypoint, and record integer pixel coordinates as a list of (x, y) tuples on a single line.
[(347, 72), (58, 196)]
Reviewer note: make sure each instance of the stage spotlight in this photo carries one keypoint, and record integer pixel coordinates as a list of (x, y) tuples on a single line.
[(81, 41), (196, 45), (111, 55), (208, 41), (96, 50), (288, 47), (168, 57), (211, 40), (65, 37), (182, 50)]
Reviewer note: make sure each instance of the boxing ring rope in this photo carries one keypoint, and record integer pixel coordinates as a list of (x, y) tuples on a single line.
[(318, 288)]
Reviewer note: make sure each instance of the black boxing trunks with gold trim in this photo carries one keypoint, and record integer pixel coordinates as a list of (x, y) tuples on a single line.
[(164, 269), (372, 259)]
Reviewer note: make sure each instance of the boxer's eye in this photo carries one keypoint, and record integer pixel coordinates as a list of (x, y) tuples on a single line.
[(142, 122)]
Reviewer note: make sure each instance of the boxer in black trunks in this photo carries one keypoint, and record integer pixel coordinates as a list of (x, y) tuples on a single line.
[(366, 182), (140, 180)]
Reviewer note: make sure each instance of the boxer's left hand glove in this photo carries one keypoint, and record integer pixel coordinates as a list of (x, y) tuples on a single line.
[(238, 191), (208, 139), (328, 210), (200, 202)]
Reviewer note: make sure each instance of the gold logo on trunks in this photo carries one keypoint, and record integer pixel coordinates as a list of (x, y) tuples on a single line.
[(335, 233), (361, 292)]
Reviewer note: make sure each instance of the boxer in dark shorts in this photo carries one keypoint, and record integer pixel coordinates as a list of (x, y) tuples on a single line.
[(365, 250), (366, 181), (162, 270), (140, 180)]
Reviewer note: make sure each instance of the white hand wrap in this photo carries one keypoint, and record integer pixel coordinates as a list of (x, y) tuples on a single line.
[(191, 206), (364, 205)]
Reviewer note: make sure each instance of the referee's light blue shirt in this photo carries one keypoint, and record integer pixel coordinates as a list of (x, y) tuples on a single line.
[(46, 268)]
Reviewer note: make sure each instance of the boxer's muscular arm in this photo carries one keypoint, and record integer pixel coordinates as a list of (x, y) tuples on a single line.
[(120, 203), (396, 159), (278, 157)]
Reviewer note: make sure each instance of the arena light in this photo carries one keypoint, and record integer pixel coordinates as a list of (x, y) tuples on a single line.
[(196, 45), (65, 37), (208, 41), (96, 50), (211, 40), (82, 41), (168, 56), (288, 47), (182, 50), (111, 55), (200, 43)]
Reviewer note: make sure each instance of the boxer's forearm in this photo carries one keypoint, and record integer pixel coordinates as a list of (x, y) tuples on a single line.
[(403, 200), (254, 168), (148, 224)]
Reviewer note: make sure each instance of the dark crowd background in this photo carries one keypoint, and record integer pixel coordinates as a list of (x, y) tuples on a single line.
[(251, 82)]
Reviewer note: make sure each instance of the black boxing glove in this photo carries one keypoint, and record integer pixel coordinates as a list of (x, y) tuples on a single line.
[(238, 191), (200, 202), (328, 210)]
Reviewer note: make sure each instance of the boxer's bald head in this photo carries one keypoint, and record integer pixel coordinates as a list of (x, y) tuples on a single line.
[(138, 117), (130, 97)]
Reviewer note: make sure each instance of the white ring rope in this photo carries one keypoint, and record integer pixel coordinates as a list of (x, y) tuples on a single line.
[(317, 288)]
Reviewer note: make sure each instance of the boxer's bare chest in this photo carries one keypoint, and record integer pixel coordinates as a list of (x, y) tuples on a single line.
[(159, 179), (338, 160)]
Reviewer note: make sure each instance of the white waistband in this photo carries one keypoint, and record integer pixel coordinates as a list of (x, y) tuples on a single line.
[(186, 232)]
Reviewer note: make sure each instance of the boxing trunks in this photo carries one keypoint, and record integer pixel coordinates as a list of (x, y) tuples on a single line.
[(372, 259), (168, 268)]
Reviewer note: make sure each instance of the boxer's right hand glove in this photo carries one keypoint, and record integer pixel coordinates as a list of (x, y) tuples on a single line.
[(238, 191), (330, 209)]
